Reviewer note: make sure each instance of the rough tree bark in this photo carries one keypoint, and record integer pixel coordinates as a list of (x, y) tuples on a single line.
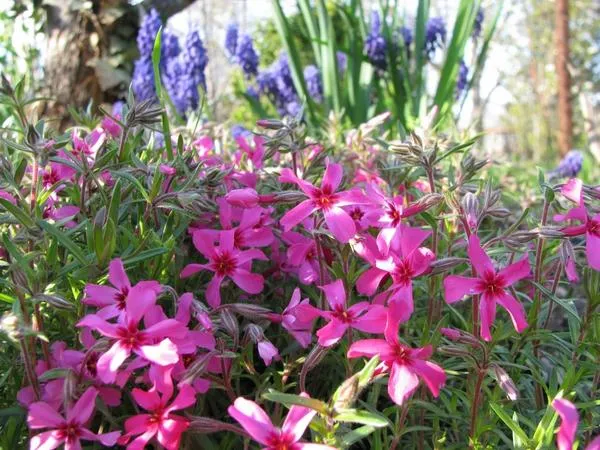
[(565, 108)]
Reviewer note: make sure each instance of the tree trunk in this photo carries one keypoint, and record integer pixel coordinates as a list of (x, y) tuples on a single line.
[(565, 108)]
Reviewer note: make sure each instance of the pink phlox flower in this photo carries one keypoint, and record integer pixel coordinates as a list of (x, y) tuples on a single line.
[(68, 431), (112, 301), (62, 214), (325, 199), (57, 172), (297, 318), (8, 197), (110, 126), (89, 146), (492, 285), (302, 255), (159, 420), (260, 427), (226, 262), (590, 225), (153, 344), (400, 258), (254, 151), (361, 316), (406, 365), (252, 229), (568, 427), (363, 175)]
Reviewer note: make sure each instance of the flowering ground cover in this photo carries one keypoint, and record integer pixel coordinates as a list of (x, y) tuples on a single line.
[(276, 291)]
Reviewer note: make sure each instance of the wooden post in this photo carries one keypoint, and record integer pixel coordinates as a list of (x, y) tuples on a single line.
[(565, 108)]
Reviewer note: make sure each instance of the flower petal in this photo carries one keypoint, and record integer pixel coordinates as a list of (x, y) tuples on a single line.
[(253, 419), (213, 291), (333, 176), (331, 333), (335, 294), (402, 383), (48, 440), (163, 353), (370, 348), (568, 427), (83, 409), (109, 362), (42, 415), (487, 314), (297, 420), (456, 287), (340, 224), (373, 321), (479, 258), (116, 274), (433, 375), (297, 214), (515, 272), (592, 249), (252, 283), (369, 281), (515, 309)]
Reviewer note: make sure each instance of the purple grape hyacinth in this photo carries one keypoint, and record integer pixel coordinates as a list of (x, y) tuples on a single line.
[(231, 39), (375, 45), (246, 56), (569, 166), (435, 35), (149, 27), (461, 82), (478, 25), (143, 80), (314, 83)]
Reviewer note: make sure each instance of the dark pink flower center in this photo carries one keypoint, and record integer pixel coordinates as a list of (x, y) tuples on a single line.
[(50, 177), (357, 214), (131, 337), (404, 273), (238, 239), (90, 364), (393, 213), (224, 264), (492, 284), (593, 227), (343, 315), (401, 354), (120, 297), (325, 198), (155, 418), (70, 431), (280, 441)]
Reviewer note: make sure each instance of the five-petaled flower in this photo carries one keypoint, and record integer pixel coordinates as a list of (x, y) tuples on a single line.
[(259, 426), (225, 261), (405, 364), (70, 430), (492, 285), (325, 199)]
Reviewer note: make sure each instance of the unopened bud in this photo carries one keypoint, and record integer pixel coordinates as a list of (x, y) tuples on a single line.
[(250, 311), (500, 213), (347, 393), (243, 198), (54, 300), (550, 233), (446, 264), (505, 382), (270, 124), (197, 368), (230, 324), (289, 197), (206, 425)]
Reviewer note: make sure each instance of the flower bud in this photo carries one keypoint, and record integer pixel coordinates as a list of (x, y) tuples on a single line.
[(197, 368), (446, 264), (505, 382), (243, 198), (270, 124), (451, 333), (54, 300), (470, 205), (250, 311)]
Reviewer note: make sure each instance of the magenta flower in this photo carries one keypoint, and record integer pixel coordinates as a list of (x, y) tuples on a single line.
[(302, 255), (402, 259), (491, 285), (225, 261), (67, 431), (297, 318), (259, 426), (152, 344), (324, 199), (112, 300), (159, 420), (568, 427), (361, 316), (57, 172), (254, 152), (590, 225), (406, 365), (8, 197), (252, 229)]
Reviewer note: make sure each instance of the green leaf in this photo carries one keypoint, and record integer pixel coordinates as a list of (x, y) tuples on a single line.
[(356, 435), (363, 417), (18, 213), (509, 422), (567, 305), (290, 399), (64, 240), (147, 254)]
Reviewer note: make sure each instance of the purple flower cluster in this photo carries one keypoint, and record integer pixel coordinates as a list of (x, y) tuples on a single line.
[(478, 25), (276, 82), (435, 35), (375, 45), (407, 36), (314, 83), (246, 56), (569, 166), (182, 70), (342, 61), (231, 39), (463, 75)]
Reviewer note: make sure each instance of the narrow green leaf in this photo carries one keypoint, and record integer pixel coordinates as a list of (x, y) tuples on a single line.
[(290, 399), (509, 422), (22, 217), (363, 417), (64, 240)]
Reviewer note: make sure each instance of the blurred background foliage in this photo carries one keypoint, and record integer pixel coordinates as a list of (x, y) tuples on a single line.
[(75, 51)]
